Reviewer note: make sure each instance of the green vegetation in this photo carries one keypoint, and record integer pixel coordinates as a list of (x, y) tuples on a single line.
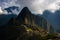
[(25, 32)]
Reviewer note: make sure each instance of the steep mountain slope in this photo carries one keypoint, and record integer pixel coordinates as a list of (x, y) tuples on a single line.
[(53, 18), (25, 13), (32, 19)]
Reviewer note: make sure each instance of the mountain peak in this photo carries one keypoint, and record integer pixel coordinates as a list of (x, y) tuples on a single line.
[(10, 9), (26, 8), (24, 12)]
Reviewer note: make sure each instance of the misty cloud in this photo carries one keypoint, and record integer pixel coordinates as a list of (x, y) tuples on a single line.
[(36, 6)]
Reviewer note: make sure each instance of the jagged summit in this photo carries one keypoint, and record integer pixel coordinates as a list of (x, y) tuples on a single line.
[(26, 8), (25, 11)]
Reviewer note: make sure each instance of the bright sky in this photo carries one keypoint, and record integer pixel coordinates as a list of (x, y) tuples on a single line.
[(36, 6), (1, 10)]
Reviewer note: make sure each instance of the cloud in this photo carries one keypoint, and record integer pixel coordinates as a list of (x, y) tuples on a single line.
[(36, 6), (54, 6), (10, 3), (6, 4), (40, 6), (1, 10)]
